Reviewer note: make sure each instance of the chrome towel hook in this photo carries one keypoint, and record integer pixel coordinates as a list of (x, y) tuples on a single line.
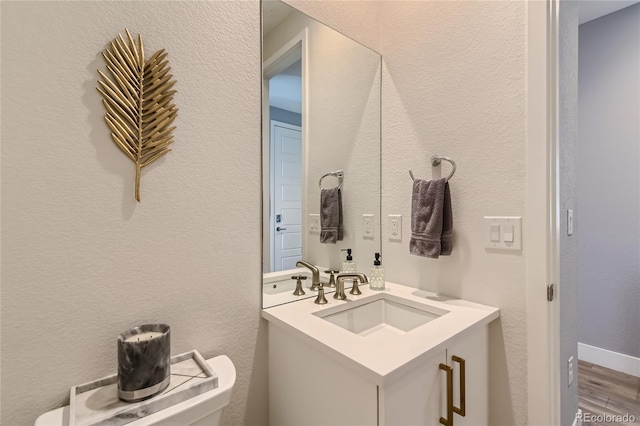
[(338, 173), (435, 161)]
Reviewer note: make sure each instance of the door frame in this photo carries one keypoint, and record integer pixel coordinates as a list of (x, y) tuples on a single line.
[(542, 219), (294, 49)]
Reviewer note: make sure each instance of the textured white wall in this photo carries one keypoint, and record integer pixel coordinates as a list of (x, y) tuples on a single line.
[(608, 182), (454, 85), (81, 260)]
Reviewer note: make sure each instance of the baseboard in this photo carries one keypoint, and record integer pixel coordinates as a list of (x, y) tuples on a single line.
[(578, 419), (606, 358)]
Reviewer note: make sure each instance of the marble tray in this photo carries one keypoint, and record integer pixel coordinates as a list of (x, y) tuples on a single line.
[(97, 404)]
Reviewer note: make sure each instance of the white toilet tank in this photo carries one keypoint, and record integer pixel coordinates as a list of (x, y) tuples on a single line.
[(202, 410)]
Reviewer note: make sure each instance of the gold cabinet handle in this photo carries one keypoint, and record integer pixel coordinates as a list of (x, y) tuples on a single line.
[(449, 420), (463, 404)]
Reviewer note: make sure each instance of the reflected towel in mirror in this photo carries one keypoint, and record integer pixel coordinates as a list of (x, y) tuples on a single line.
[(331, 226)]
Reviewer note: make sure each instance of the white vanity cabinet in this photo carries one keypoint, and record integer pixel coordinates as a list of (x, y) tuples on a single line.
[(346, 364), (306, 387), (311, 387), (420, 396)]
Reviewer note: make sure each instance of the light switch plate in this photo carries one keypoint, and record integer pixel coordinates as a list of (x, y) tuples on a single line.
[(503, 232)]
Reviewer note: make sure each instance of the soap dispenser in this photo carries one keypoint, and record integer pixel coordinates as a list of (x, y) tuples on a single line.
[(376, 280), (348, 265)]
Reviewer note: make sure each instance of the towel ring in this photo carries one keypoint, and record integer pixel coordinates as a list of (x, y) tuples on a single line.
[(338, 173), (435, 161)]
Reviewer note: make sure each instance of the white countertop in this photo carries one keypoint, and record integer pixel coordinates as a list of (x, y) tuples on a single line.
[(382, 358)]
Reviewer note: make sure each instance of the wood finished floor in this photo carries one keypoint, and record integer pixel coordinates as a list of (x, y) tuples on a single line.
[(602, 391)]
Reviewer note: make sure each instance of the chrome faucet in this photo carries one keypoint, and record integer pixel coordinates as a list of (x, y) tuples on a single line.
[(315, 274), (355, 290)]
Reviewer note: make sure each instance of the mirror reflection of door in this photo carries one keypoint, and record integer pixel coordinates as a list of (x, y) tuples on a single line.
[(287, 198), (285, 165)]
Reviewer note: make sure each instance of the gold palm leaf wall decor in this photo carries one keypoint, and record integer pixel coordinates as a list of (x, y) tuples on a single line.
[(137, 99)]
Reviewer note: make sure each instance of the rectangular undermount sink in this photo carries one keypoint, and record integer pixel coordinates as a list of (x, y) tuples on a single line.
[(381, 314)]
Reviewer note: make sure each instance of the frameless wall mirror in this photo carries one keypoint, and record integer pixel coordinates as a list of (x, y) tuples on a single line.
[(321, 118)]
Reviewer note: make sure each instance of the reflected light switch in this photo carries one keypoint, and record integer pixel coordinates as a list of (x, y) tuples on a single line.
[(508, 233), (494, 232), (314, 223)]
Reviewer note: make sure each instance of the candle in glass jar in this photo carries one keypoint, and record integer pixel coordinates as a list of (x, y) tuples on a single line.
[(144, 362)]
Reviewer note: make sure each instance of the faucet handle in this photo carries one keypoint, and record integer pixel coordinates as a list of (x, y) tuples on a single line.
[(321, 300), (298, 291), (332, 278), (355, 290), (339, 293)]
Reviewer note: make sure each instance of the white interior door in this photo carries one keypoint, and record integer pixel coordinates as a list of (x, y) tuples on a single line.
[(286, 216)]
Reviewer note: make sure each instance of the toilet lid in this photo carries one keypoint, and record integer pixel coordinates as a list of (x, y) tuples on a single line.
[(181, 413)]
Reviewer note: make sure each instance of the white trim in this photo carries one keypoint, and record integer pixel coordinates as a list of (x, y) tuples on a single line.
[(606, 358), (305, 139), (286, 56), (553, 55), (539, 223), (577, 421), (294, 49)]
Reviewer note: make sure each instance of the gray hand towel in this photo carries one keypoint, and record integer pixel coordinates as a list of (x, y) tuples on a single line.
[(331, 225), (446, 240), (430, 211)]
